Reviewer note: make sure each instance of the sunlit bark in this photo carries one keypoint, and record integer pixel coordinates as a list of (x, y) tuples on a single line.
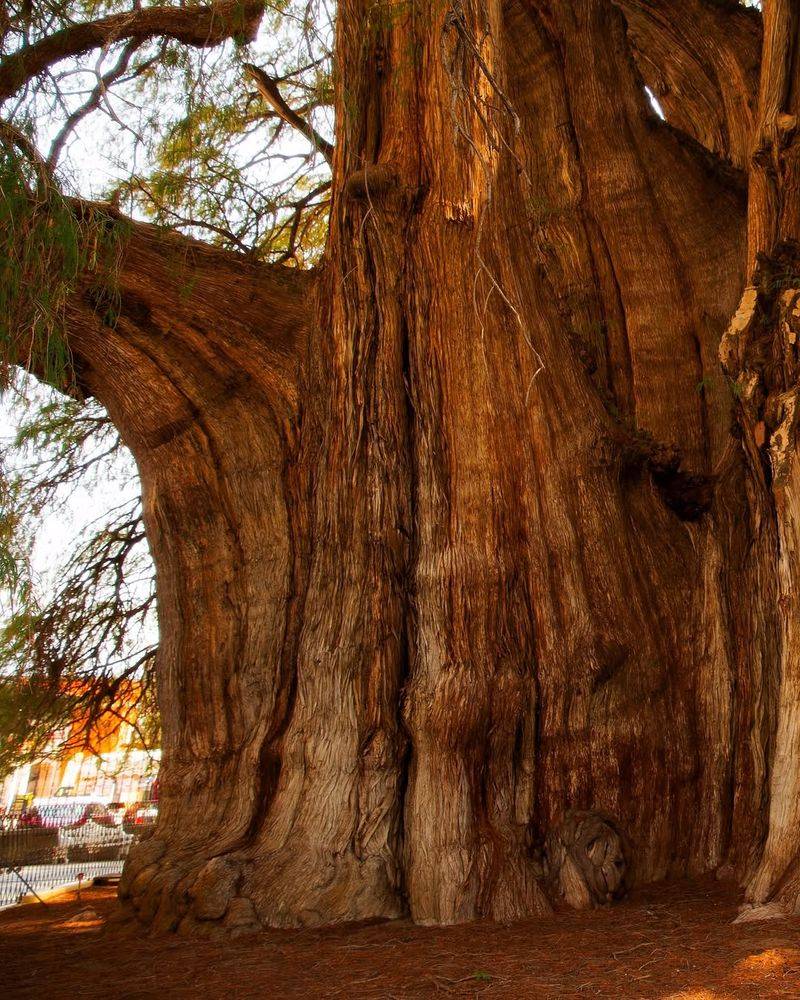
[(701, 60), (465, 544)]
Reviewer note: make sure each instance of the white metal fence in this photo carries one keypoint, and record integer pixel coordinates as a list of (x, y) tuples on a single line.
[(57, 845)]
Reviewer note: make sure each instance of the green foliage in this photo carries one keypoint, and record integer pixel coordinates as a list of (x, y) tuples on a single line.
[(40, 260), (209, 157), (178, 133), (29, 714), (45, 250), (13, 577)]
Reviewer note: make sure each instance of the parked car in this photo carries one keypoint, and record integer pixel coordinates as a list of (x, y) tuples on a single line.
[(93, 841), (116, 811), (55, 816), (53, 832), (140, 818)]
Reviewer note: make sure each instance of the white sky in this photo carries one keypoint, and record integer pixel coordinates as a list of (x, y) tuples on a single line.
[(77, 507)]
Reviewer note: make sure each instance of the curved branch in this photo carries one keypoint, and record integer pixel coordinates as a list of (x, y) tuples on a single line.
[(268, 89), (199, 26), (208, 302), (701, 60)]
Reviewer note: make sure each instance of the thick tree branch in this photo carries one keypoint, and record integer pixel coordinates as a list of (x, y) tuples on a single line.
[(198, 26), (205, 298), (268, 89), (701, 60), (188, 298)]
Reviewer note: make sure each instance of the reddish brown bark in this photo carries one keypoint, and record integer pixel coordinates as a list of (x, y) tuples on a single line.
[(701, 60), (759, 353), (466, 532)]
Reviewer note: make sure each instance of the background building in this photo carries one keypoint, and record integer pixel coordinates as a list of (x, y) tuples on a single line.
[(106, 764)]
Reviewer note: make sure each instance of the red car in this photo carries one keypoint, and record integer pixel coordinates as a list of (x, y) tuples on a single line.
[(140, 818), (66, 814)]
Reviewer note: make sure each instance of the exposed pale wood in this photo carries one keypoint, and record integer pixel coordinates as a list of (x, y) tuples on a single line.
[(760, 353)]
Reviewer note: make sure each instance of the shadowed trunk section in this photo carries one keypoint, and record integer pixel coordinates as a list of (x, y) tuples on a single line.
[(207, 398), (701, 60)]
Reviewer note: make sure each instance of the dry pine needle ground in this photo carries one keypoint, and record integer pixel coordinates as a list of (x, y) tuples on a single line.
[(668, 941)]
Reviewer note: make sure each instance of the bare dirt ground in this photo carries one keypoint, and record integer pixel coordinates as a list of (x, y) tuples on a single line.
[(668, 941)]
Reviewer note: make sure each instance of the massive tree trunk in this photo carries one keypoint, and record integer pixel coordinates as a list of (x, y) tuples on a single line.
[(467, 530)]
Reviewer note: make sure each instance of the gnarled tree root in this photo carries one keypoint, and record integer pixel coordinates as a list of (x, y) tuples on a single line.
[(587, 860)]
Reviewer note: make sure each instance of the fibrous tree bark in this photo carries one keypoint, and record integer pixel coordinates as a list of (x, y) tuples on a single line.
[(701, 60), (759, 353), (467, 544)]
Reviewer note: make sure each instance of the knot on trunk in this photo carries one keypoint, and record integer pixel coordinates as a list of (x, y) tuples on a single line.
[(241, 917), (587, 860), (687, 494), (629, 450), (377, 182)]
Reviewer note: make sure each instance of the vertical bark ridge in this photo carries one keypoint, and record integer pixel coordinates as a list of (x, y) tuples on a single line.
[(330, 846), (671, 172), (207, 406), (759, 353)]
